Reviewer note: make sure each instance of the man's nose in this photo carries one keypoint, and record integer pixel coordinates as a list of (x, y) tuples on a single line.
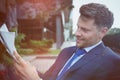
[(77, 33)]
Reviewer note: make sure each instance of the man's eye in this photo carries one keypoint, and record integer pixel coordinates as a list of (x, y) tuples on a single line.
[(85, 30)]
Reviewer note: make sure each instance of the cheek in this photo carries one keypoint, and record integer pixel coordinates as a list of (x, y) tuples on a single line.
[(91, 37)]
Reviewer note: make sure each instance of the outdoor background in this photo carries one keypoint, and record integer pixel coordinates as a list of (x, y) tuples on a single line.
[(44, 27)]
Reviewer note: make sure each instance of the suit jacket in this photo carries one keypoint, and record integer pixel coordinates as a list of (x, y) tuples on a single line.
[(100, 63)]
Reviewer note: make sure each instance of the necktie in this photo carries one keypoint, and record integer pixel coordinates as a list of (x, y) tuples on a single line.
[(77, 53)]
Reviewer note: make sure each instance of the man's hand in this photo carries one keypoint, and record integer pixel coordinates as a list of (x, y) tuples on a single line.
[(24, 69)]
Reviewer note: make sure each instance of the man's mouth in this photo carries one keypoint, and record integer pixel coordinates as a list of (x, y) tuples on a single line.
[(79, 40)]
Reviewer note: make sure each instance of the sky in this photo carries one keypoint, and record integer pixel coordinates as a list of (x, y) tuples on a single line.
[(113, 5)]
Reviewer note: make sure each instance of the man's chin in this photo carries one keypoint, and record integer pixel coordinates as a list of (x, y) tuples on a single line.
[(79, 45)]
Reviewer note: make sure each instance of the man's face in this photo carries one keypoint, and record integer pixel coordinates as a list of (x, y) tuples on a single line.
[(87, 33)]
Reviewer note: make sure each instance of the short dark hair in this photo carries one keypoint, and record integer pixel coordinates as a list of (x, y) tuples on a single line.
[(102, 15)]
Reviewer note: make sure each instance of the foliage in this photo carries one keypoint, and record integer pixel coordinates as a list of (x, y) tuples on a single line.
[(36, 9), (32, 46), (54, 52), (114, 31), (25, 51), (18, 41), (41, 46), (20, 37), (5, 58), (21, 46), (113, 41)]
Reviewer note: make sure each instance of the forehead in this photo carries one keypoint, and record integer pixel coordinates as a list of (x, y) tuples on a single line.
[(86, 21)]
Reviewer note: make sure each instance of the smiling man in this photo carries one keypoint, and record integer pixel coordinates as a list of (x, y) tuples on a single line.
[(95, 61)]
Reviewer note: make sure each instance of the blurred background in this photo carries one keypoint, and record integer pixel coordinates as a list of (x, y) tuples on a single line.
[(44, 27)]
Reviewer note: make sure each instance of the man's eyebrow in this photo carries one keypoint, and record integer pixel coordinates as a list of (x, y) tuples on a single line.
[(86, 29)]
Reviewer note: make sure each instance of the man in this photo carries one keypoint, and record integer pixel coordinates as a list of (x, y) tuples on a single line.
[(98, 61)]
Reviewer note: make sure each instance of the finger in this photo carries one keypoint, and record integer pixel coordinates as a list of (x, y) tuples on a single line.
[(18, 70), (17, 56), (19, 59)]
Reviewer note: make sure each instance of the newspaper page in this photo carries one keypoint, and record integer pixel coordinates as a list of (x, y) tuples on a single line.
[(7, 39)]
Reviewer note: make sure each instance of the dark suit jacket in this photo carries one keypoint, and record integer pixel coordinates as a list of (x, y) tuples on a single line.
[(101, 63)]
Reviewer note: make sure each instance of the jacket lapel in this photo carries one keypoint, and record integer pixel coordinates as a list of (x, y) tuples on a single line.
[(88, 57)]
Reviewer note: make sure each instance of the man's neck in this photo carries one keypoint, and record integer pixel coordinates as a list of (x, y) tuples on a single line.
[(93, 46)]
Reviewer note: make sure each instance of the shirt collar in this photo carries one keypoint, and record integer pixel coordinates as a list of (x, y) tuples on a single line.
[(87, 49)]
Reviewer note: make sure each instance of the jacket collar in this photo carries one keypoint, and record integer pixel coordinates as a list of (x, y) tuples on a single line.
[(91, 55)]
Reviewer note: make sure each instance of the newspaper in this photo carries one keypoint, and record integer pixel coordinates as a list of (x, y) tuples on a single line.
[(7, 39)]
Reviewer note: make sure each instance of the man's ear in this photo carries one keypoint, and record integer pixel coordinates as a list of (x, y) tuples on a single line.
[(105, 30)]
